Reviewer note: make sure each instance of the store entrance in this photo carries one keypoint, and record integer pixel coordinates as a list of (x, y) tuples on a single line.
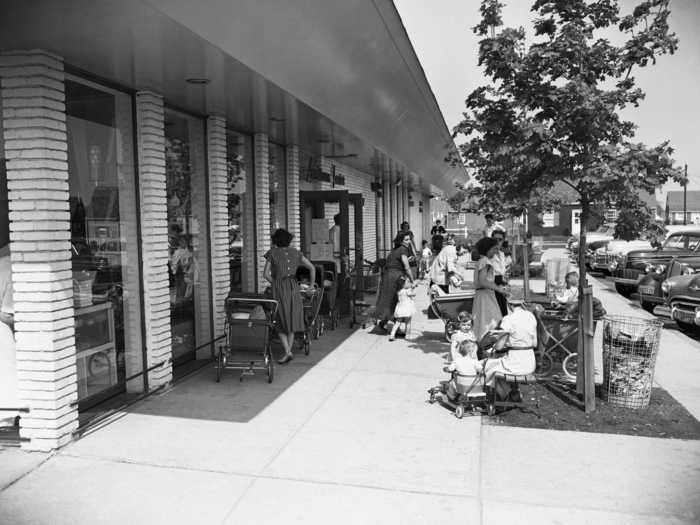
[(319, 210)]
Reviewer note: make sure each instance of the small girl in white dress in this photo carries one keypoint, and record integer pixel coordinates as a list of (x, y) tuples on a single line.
[(405, 308)]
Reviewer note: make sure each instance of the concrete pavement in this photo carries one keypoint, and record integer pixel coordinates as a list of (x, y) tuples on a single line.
[(346, 436)]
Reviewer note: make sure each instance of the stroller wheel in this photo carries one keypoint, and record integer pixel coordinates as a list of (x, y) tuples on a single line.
[(219, 365), (307, 345), (432, 397), (459, 411)]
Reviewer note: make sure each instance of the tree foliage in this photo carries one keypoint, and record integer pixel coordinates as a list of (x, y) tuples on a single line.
[(551, 113)]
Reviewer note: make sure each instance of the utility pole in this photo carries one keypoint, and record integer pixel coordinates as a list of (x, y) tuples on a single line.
[(685, 197)]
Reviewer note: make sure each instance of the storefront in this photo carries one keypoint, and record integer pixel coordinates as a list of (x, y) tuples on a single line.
[(139, 188)]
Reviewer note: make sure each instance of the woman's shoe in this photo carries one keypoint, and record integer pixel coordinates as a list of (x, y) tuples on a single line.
[(391, 338), (286, 359)]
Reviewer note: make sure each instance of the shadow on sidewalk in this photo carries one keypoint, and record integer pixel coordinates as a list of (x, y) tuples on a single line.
[(199, 396)]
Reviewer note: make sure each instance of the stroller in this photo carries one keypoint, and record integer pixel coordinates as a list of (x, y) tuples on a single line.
[(250, 322), (362, 311), (448, 306), (311, 298), (464, 392), (327, 280)]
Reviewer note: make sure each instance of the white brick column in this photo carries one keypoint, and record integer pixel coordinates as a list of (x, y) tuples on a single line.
[(154, 235), (262, 204), (293, 212), (218, 216), (34, 128)]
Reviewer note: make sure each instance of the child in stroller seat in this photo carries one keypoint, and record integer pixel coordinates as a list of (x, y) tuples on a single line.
[(465, 333), (467, 367)]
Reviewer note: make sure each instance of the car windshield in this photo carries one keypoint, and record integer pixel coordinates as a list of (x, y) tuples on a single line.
[(694, 242), (676, 242)]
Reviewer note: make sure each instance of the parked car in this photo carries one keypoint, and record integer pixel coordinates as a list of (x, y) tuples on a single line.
[(643, 266), (650, 286), (682, 296), (604, 232), (607, 257)]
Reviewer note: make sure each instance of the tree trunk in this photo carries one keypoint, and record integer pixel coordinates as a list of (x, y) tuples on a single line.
[(582, 283), (585, 384)]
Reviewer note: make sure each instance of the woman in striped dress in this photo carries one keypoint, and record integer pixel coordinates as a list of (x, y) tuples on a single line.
[(282, 263)]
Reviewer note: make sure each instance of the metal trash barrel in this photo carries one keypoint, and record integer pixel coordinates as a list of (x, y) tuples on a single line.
[(630, 346)]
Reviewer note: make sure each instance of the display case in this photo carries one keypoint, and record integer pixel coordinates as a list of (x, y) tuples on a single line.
[(96, 349)]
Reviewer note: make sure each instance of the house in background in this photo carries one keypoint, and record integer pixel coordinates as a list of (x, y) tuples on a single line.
[(674, 207), (566, 220)]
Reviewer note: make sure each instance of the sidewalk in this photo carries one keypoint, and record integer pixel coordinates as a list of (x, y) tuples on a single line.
[(346, 436)]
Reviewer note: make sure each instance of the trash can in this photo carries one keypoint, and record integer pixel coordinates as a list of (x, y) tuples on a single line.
[(630, 345)]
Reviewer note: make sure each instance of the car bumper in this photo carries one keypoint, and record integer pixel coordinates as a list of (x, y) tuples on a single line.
[(686, 311), (627, 280)]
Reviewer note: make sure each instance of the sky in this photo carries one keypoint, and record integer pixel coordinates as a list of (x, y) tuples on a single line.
[(440, 31)]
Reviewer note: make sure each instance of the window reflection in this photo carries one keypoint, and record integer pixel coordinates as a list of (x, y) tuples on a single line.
[(240, 207), (278, 186), (187, 234), (106, 282)]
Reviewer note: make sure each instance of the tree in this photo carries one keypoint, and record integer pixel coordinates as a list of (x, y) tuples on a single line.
[(552, 110)]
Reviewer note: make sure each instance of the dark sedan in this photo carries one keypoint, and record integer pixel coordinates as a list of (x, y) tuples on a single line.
[(682, 295), (650, 267)]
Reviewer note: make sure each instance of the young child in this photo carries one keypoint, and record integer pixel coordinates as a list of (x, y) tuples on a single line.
[(465, 364), (425, 257), (570, 294), (404, 307), (464, 333)]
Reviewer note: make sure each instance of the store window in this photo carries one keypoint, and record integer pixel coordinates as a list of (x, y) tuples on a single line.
[(241, 213), (188, 265), (9, 388), (104, 241), (278, 186)]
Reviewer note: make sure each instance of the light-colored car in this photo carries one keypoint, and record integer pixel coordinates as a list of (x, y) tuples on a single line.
[(596, 238), (607, 258)]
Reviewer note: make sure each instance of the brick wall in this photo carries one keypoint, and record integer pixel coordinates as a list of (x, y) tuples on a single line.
[(218, 219), (35, 143), (154, 234), (293, 212)]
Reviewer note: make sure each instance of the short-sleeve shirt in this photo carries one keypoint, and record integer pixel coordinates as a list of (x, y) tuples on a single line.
[(284, 262), (393, 261)]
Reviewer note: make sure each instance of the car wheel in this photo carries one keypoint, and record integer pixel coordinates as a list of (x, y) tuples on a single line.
[(623, 290), (649, 307), (688, 328)]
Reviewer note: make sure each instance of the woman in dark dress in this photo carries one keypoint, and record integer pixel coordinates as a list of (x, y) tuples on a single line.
[(397, 265), (282, 263)]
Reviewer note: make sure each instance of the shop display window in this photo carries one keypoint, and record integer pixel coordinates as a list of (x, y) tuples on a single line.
[(278, 186), (188, 264), (241, 214), (104, 241)]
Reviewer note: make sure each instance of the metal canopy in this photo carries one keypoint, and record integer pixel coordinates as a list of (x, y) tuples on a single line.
[(337, 78)]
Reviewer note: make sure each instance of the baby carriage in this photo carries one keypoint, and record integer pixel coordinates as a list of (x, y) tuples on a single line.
[(362, 311), (448, 306), (327, 279), (250, 321), (466, 392), (312, 298)]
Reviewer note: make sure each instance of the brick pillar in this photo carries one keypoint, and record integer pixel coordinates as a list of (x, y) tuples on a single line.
[(262, 205), (34, 128), (293, 211), (379, 219), (218, 215), (154, 234)]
